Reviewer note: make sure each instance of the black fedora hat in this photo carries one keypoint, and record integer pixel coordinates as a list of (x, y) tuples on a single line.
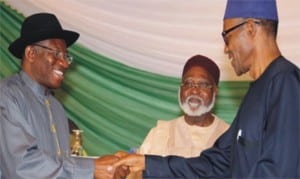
[(38, 27)]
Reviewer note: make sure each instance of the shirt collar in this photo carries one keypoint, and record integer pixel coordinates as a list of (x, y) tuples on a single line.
[(37, 88)]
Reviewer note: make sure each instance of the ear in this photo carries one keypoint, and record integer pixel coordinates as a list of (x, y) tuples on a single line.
[(251, 28), (29, 53), (216, 89)]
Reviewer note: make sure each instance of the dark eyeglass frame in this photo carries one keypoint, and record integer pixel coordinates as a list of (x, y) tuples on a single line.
[(226, 32), (56, 53)]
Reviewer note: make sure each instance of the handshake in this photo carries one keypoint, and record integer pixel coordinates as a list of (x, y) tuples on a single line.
[(118, 166)]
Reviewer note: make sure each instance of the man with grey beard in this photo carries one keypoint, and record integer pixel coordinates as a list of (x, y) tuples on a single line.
[(198, 128)]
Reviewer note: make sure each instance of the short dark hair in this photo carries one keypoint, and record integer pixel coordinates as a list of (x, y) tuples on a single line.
[(271, 26)]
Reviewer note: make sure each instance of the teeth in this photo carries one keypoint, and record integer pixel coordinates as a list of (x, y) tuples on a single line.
[(60, 73), (194, 104)]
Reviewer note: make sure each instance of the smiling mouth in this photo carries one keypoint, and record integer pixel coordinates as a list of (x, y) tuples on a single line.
[(194, 103), (59, 74)]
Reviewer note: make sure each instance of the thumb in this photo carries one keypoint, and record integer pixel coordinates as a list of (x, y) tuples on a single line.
[(121, 154)]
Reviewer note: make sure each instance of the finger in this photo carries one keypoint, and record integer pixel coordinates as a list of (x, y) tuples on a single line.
[(119, 163), (122, 171), (108, 159), (104, 162), (121, 154), (121, 174), (125, 167), (102, 175), (104, 167)]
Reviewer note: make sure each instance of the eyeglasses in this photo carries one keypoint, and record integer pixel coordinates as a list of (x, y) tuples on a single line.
[(58, 54), (200, 85), (226, 32)]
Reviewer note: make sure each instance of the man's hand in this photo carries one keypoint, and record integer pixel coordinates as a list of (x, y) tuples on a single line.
[(104, 168), (135, 162)]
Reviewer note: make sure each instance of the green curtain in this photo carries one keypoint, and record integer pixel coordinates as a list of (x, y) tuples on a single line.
[(115, 105)]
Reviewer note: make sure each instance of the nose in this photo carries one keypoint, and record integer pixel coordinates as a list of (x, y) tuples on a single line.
[(63, 62), (195, 90)]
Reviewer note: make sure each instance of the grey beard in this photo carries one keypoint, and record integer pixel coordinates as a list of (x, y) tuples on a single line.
[(202, 109)]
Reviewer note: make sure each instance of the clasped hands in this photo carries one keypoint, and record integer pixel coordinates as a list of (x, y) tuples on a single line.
[(118, 166)]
